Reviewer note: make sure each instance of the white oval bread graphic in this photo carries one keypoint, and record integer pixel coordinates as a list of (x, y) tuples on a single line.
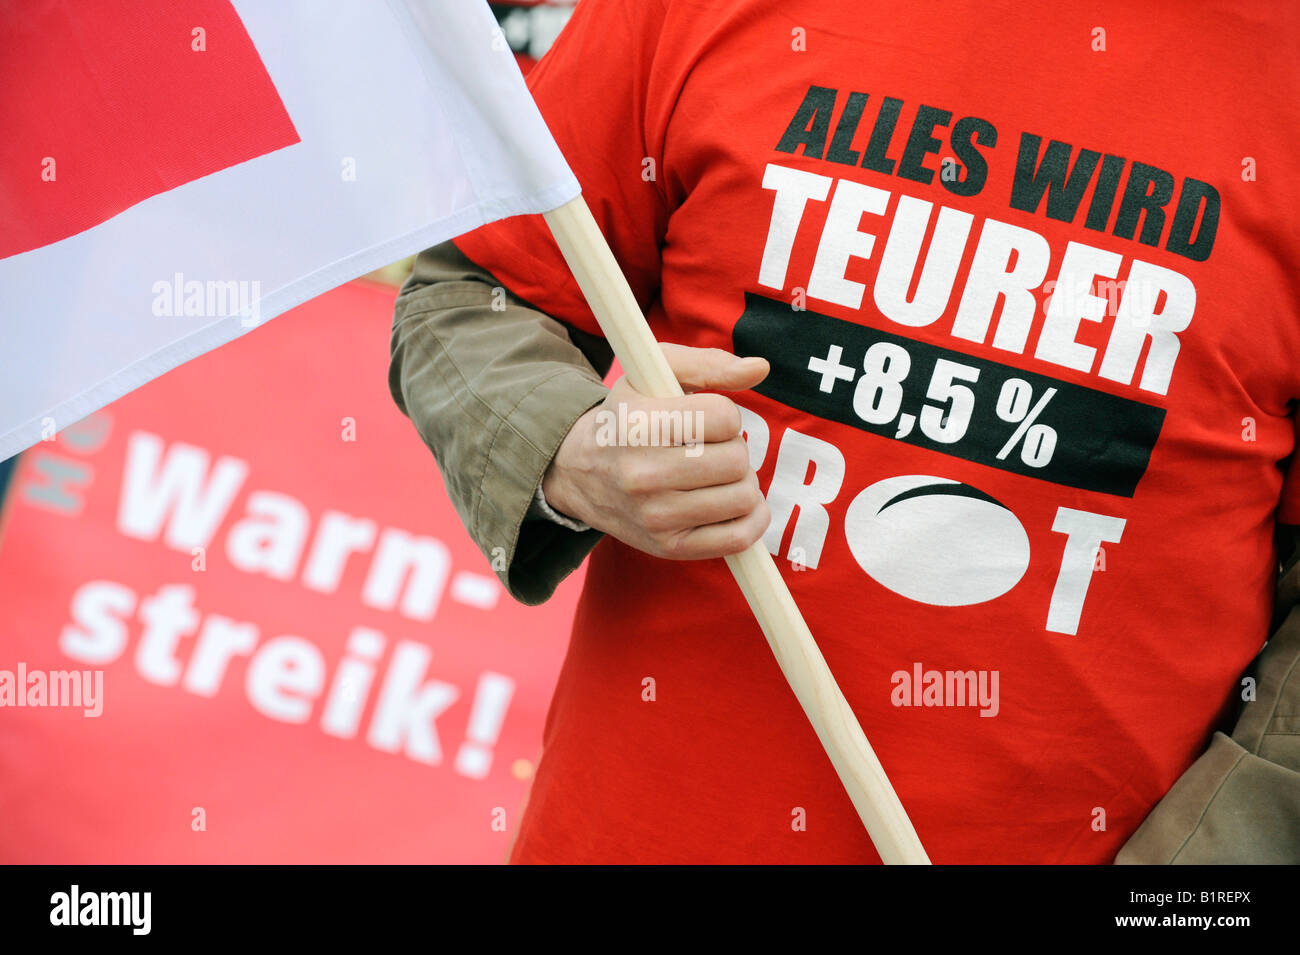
[(936, 540)]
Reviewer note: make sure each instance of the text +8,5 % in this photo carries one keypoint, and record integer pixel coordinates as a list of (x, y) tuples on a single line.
[(878, 399)]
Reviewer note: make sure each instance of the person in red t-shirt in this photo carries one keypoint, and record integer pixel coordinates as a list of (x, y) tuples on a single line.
[(1014, 297)]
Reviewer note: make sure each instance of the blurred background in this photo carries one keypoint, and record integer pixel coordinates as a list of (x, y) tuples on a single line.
[(334, 676)]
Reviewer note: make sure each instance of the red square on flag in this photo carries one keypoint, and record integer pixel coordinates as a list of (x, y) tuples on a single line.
[(107, 104)]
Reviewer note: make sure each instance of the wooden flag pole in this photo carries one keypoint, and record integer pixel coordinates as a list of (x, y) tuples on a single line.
[(615, 307)]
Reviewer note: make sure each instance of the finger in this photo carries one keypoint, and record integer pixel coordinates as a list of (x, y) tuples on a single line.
[(686, 469), (630, 419), (683, 510), (724, 538), (713, 369)]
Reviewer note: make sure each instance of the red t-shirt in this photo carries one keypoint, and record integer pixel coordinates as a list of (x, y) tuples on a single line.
[(1029, 282)]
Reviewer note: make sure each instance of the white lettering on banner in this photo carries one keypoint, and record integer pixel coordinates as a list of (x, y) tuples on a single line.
[(338, 537), (182, 496), (175, 491), (168, 617), (427, 560), (283, 679), (101, 607), (219, 642), (474, 758), (475, 590), (1072, 303), (352, 682), (178, 493), (286, 675), (407, 707), (270, 538)]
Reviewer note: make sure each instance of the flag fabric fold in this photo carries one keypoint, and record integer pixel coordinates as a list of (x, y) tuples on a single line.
[(173, 176)]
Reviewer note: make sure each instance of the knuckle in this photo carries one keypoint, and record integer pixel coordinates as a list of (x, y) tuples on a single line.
[(674, 547), (656, 517), (737, 538), (656, 546), (636, 475), (732, 419), (737, 459), (722, 413)]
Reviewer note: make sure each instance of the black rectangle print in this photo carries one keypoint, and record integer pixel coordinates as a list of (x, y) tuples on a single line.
[(1102, 442)]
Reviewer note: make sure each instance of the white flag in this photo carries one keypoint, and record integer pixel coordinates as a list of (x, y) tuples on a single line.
[(172, 175)]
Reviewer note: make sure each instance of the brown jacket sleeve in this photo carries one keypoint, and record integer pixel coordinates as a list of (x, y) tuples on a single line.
[(492, 386)]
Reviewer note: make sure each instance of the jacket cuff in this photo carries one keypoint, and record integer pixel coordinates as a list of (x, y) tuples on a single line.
[(532, 557), (542, 510)]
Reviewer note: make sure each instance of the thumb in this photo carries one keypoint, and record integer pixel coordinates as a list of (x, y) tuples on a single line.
[(713, 369)]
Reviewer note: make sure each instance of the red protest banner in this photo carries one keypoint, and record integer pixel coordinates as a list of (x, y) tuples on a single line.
[(295, 651)]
